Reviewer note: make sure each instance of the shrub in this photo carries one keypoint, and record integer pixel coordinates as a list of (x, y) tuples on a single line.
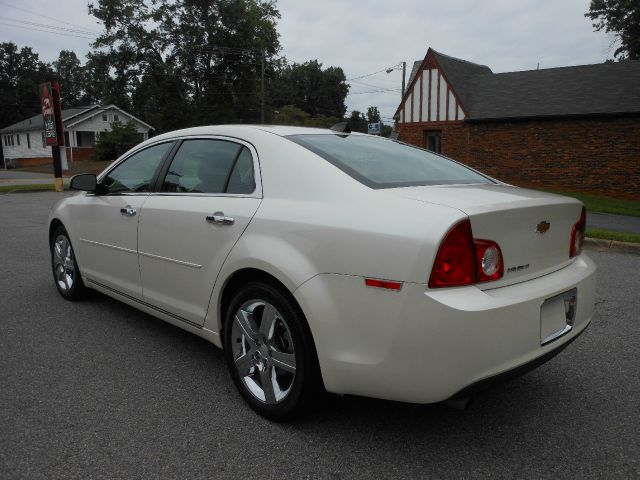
[(112, 143)]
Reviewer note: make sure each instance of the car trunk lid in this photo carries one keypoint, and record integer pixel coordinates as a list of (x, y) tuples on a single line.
[(532, 228)]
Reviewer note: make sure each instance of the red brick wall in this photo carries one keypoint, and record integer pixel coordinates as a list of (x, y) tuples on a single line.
[(597, 155), (30, 162), (80, 153)]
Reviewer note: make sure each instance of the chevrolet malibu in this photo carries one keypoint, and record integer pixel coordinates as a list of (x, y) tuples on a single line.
[(322, 260)]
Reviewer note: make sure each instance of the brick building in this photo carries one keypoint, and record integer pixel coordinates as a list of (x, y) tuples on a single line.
[(569, 128)]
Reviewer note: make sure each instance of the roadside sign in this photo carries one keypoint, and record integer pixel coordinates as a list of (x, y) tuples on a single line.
[(48, 114), (374, 128)]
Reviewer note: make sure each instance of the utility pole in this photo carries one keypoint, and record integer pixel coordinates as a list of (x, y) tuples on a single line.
[(57, 160), (404, 74), (262, 88)]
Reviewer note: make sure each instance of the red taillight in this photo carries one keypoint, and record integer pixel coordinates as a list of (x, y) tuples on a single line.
[(455, 262), (463, 260), (489, 260), (577, 234)]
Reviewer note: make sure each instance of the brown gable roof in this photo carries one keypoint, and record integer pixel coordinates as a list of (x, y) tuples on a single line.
[(606, 88)]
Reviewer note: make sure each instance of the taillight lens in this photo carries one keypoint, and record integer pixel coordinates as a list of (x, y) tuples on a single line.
[(489, 259), (577, 234), (463, 260), (455, 261)]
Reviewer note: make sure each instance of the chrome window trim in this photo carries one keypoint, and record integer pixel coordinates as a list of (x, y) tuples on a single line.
[(257, 172)]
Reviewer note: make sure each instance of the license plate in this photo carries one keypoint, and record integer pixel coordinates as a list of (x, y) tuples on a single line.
[(557, 315)]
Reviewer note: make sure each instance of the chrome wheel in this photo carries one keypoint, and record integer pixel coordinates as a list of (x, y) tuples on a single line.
[(63, 264), (263, 351)]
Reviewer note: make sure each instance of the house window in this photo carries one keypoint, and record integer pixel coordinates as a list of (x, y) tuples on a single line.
[(104, 117), (18, 138), (434, 141), (116, 118), (12, 142), (44, 143), (28, 141)]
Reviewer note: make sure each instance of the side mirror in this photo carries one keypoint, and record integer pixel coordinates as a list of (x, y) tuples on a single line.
[(86, 182)]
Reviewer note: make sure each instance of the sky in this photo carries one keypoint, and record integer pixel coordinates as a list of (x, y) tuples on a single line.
[(367, 37)]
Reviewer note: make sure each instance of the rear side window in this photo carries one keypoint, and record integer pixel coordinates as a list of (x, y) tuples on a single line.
[(210, 166), (382, 163)]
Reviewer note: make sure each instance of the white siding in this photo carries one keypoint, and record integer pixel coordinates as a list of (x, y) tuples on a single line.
[(425, 96), (460, 114), (407, 110), (434, 94), (443, 99), (452, 107), (416, 101), (97, 124), (23, 150)]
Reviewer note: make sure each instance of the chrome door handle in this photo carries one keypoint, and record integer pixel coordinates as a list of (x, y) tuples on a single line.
[(219, 218), (129, 211)]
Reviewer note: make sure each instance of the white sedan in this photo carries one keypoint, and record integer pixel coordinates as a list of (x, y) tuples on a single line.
[(322, 260)]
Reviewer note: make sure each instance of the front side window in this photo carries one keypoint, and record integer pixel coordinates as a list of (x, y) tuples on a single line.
[(210, 166), (136, 172), (382, 163)]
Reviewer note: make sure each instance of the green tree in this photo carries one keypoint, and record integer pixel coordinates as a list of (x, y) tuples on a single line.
[(358, 122), (292, 115), (373, 115), (311, 88), (197, 56), (621, 17), (21, 71), (71, 76), (113, 143)]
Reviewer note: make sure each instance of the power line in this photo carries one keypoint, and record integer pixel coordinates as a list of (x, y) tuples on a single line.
[(45, 31), (43, 15), (44, 25), (374, 73), (386, 90)]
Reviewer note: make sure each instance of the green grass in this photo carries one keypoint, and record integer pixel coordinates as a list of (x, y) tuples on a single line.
[(602, 204), (611, 235), (36, 186)]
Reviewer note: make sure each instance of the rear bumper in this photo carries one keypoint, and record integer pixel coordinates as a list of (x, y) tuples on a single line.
[(518, 371), (424, 346)]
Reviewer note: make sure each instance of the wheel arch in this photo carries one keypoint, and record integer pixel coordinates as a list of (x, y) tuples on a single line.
[(55, 223), (241, 277)]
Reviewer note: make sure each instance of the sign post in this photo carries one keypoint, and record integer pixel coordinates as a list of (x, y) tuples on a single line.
[(53, 133), (373, 128)]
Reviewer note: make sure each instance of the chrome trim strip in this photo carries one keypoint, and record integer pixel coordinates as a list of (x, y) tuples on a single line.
[(557, 334), (100, 244), (173, 260), (148, 305)]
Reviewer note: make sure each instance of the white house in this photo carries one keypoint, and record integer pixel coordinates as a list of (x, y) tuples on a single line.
[(23, 142)]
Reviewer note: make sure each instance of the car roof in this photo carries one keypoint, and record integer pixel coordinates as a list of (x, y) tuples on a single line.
[(238, 129)]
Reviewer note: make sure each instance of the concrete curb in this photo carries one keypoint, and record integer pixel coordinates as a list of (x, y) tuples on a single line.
[(602, 245)]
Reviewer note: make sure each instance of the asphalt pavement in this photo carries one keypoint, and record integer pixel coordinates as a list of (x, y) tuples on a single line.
[(96, 389)]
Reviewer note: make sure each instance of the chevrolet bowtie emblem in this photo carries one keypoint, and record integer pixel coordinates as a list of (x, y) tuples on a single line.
[(542, 227)]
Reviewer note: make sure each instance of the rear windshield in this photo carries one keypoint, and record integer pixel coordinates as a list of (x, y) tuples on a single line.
[(383, 163)]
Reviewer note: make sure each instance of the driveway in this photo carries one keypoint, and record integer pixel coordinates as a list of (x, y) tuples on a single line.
[(96, 389)]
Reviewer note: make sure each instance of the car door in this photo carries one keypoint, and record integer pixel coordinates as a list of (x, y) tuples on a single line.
[(106, 223), (207, 197)]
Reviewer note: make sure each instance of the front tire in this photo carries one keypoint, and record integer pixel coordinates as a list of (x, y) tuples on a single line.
[(270, 352), (66, 274)]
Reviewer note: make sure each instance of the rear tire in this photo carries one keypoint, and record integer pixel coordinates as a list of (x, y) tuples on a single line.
[(66, 274), (270, 352)]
